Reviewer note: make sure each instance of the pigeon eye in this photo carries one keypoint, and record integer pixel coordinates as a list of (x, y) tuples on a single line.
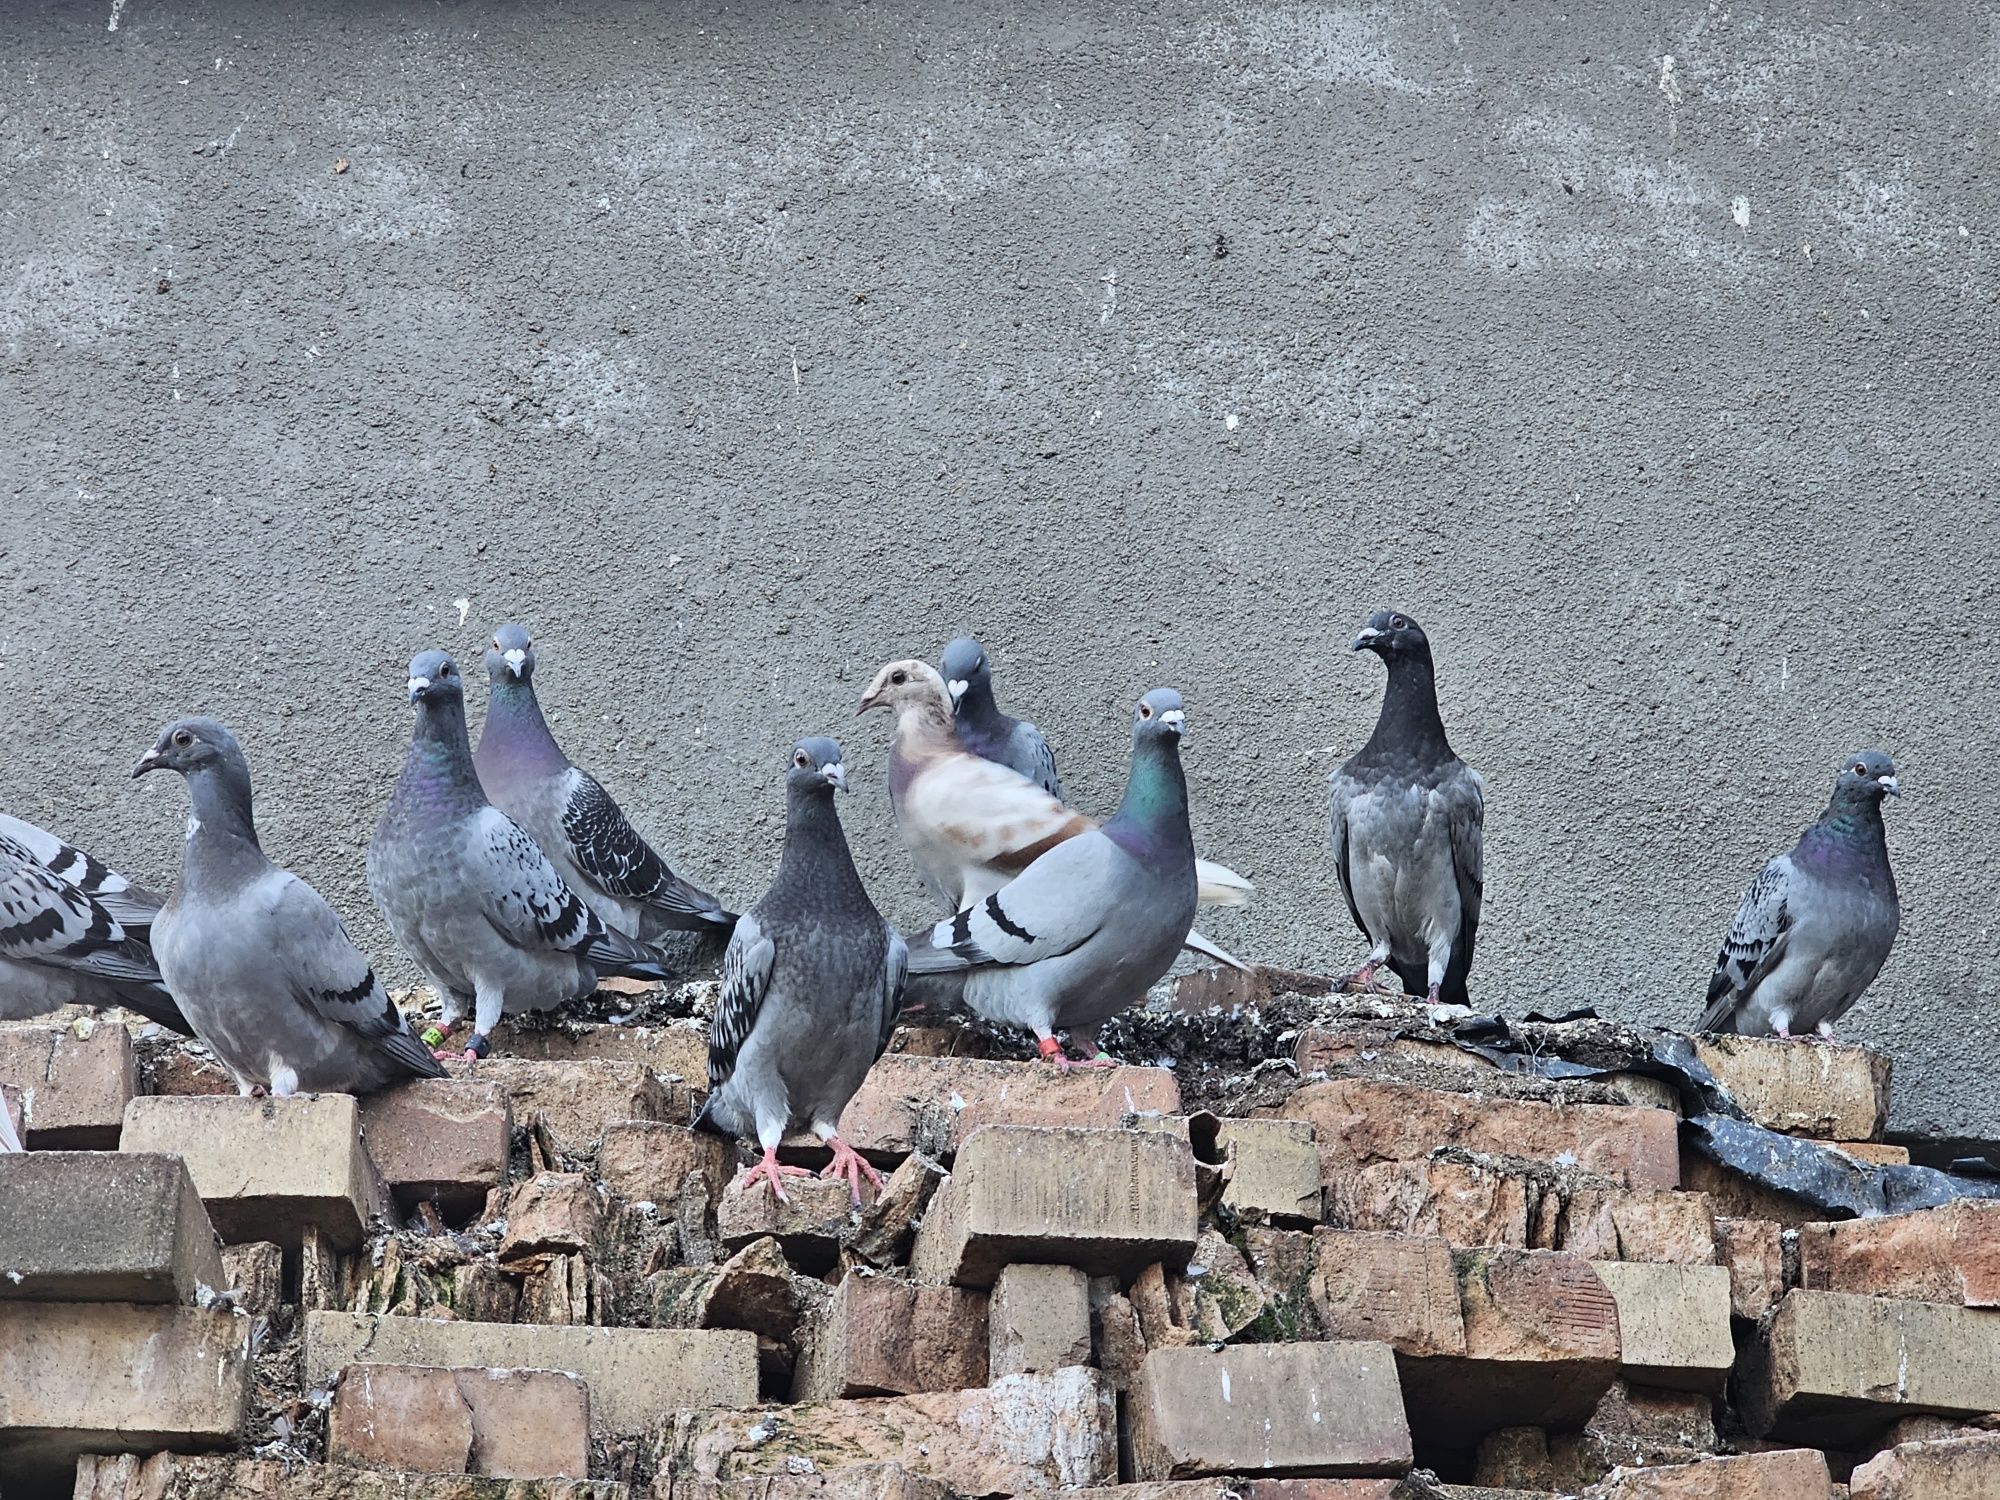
[(183, 739), (899, 678), (1145, 710), (1398, 623), (801, 761), (496, 643), (1860, 769)]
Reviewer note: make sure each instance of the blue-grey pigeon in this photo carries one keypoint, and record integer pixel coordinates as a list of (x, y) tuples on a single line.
[(569, 814), (811, 986), (983, 728), (256, 957), (73, 931), (1084, 929), (1407, 827), (1816, 925), (469, 894)]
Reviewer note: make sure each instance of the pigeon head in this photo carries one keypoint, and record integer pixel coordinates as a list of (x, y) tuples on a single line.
[(434, 678), (1868, 776), (1391, 634), (963, 666), (190, 746), (816, 764), (903, 685), (1160, 717), (510, 655)]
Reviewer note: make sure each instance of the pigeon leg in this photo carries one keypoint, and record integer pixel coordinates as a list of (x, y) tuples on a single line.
[(1431, 998), (490, 1001), (850, 1164), (1084, 1039), (1823, 1032), (768, 1170), (1361, 980), (1052, 1052)]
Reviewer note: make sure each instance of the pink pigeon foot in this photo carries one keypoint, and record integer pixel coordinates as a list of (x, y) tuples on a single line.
[(1360, 981), (768, 1170), (850, 1164)]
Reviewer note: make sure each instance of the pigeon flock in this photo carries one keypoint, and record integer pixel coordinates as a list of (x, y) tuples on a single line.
[(515, 882)]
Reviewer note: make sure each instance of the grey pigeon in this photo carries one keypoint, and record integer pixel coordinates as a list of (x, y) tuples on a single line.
[(74, 932), (1079, 934), (564, 810), (258, 960), (1816, 925), (811, 986), (1407, 828), (469, 894), (983, 729)]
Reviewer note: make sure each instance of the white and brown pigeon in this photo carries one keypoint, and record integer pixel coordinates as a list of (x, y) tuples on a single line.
[(811, 985), (1408, 822), (1817, 924)]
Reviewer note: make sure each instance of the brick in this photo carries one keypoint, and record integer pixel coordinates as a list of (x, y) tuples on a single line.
[(444, 1140), (633, 1373), (1249, 1489), (1039, 1320), (1274, 1170), (1945, 1254), (1228, 1298), (1541, 1348), (553, 1213), (1673, 1323), (1279, 1409), (93, 1226), (889, 1224), (256, 1274), (817, 1214), (932, 1104), (267, 1168), (98, 1377), (171, 1476), (75, 1082), (1875, 1153), (1735, 1196), (676, 1052), (1614, 1224), (884, 1336), (646, 1161), (1108, 1202), (1226, 989), (1645, 1419), (1284, 1262), (1463, 1202), (1022, 1434), (501, 1424), (1753, 1252), (1359, 1122), (1788, 1474), (1832, 1093), (849, 1482), (1835, 1368), (577, 1100), (1966, 1468), (1401, 1290)]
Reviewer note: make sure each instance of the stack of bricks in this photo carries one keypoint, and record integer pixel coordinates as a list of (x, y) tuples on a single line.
[(1395, 1273)]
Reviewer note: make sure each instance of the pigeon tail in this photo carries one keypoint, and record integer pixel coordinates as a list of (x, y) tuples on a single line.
[(611, 952)]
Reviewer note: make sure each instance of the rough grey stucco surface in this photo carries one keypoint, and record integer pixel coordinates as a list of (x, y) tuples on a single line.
[(1644, 351)]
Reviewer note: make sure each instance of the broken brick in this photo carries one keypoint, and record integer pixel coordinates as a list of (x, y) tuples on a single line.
[(74, 1081), (442, 1140)]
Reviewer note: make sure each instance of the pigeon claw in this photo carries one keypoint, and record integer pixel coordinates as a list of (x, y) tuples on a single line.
[(1360, 982), (851, 1165), (769, 1170)]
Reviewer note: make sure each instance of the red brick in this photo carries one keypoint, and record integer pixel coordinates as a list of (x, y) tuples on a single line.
[(1274, 1170), (1789, 1474), (1359, 1122), (884, 1336), (441, 1139), (219, 1476), (817, 1214), (1945, 1254), (1462, 1202), (932, 1104), (646, 1161), (1827, 1092), (1038, 1320), (503, 1424), (1399, 1289), (1965, 1468), (1754, 1252), (75, 1082), (1669, 1228), (578, 1100), (553, 1213)]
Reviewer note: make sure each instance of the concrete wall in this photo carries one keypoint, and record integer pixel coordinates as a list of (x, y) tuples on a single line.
[(1644, 351)]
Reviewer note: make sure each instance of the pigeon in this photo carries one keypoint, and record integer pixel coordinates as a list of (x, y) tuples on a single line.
[(811, 986), (74, 931), (983, 729), (1816, 925), (260, 963), (469, 894), (564, 810), (1407, 829), (972, 824)]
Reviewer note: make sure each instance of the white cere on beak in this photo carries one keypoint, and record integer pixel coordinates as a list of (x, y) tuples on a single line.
[(1890, 784), (514, 659), (1174, 718), (836, 775), (957, 687), (418, 684)]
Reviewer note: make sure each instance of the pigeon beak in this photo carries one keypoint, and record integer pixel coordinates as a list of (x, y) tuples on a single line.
[(956, 687), (1176, 720), (836, 776), (1366, 640), (514, 659), (871, 701), (1890, 785), (418, 687), (150, 761)]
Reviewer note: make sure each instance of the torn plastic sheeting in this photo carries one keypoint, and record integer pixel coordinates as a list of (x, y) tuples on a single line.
[(1823, 1176)]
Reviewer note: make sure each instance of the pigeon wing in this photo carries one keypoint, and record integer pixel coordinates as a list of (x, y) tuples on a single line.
[(746, 978), (525, 899), (323, 970), (982, 813), (1053, 907), (607, 848), (133, 907), (1464, 797), (1755, 942), (895, 978), (1345, 789)]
